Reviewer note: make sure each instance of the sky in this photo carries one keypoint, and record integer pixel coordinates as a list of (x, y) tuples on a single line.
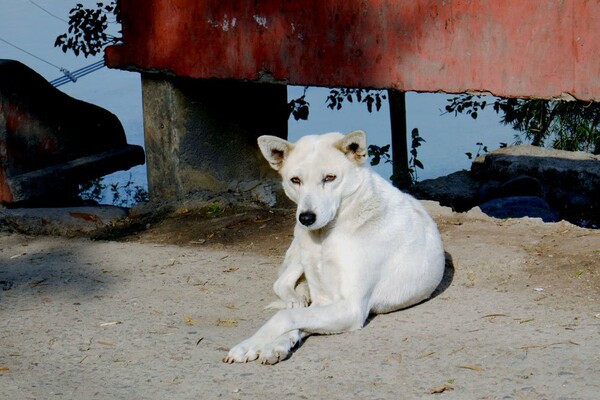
[(33, 25)]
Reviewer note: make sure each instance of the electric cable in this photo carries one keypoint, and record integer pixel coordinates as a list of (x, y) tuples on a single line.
[(48, 12), (73, 76), (68, 76), (31, 54)]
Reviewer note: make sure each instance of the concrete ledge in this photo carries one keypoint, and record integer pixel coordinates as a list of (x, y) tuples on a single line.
[(68, 221)]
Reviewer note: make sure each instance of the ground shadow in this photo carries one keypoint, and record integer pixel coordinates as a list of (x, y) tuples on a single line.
[(54, 269), (446, 279)]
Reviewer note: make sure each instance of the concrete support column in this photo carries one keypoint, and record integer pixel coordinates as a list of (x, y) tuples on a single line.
[(201, 134)]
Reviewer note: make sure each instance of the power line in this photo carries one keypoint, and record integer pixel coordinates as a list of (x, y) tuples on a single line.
[(68, 75), (47, 12), (73, 76), (31, 54)]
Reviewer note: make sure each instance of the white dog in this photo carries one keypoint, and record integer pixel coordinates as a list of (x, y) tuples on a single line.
[(360, 245)]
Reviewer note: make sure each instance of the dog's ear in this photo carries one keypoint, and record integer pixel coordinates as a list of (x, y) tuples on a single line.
[(354, 146), (275, 150)]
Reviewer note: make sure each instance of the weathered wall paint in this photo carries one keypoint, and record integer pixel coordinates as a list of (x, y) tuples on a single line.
[(538, 48)]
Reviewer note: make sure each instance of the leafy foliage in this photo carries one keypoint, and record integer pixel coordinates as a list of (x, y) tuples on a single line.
[(481, 149), (369, 97), (565, 125), (127, 194), (87, 29), (92, 190), (413, 162), (299, 107), (378, 154), (124, 195)]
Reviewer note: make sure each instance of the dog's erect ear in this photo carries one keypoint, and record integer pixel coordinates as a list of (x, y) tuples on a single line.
[(354, 146), (275, 150)]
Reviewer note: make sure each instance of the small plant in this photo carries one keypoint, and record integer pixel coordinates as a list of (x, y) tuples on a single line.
[(127, 194), (215, 209), (122, 195), (378, 154), (92, 190), (414, 162), (481, 148)]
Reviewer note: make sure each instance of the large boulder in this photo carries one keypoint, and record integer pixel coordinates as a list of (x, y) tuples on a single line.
[(459, 190), (522, 181), (568, 181)]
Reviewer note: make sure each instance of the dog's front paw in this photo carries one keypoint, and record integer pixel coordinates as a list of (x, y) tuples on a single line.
[(280, 349), (243, 352)]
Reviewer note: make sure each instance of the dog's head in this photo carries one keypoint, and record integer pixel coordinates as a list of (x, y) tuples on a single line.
[(318, 172)]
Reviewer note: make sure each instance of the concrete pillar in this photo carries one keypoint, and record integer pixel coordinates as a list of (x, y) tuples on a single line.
[(201, 134)]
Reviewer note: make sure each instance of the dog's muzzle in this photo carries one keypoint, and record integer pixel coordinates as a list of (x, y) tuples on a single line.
[(307, 218)]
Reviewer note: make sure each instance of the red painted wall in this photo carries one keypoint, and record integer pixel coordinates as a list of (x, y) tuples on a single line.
[(538, 48)]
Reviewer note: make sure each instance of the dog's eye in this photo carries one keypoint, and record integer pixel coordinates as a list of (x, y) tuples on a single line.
[(295, 180), (329, 178)]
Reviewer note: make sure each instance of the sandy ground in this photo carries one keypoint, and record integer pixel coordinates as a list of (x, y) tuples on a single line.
[(151, 314)]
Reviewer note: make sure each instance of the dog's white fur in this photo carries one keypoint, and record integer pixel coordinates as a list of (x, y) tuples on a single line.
[(364, 246)]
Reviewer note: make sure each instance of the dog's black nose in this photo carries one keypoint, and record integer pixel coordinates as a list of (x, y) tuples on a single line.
[(307, 218)]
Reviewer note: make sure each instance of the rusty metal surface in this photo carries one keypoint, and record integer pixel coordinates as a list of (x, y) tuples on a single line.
[(541, 48)]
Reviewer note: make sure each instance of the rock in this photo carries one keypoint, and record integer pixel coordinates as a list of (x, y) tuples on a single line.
[(519, 186), (519, 207), (459, 190), (523, 181), (570, 181)]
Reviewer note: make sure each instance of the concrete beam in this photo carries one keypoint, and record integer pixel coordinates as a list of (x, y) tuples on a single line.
[(512, 48)]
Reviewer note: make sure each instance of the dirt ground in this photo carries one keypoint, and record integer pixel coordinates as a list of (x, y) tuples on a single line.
[(150, 314)]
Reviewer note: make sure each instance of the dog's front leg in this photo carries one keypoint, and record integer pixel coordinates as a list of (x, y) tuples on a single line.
[(275, 339), (291, 287)]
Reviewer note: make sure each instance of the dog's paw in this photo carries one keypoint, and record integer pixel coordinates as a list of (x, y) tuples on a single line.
[(273, 355), (280, 349), (243, 352)]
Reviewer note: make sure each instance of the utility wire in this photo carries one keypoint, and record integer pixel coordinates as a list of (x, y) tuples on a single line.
[(68, 75), (47, 12), (73, 76), (31, 54)]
